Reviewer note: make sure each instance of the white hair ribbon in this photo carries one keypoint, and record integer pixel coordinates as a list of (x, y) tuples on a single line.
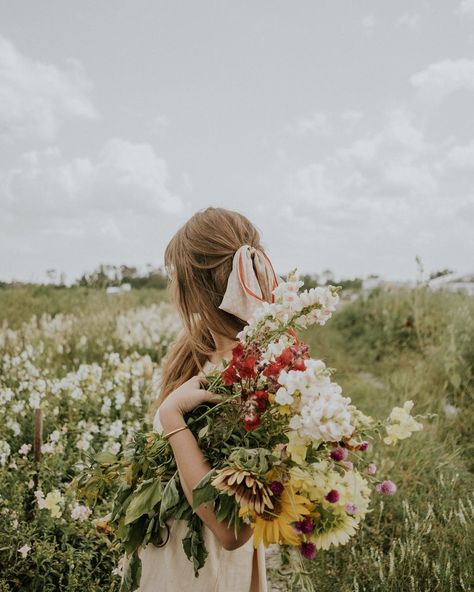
[(251, 269)]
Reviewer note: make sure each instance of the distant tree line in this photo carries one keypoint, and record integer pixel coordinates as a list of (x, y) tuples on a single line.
[(114, 275)]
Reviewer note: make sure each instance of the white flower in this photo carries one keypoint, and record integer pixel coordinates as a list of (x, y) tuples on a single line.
[(119, 400), (4, 452), (14, 426), (115, 429), (39, 498), (106, 405), (283, 397), (54, 436), (24, 550), (80, 512), (34, 400)]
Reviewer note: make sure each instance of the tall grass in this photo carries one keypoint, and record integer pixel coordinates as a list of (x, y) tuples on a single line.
[(388, 347)]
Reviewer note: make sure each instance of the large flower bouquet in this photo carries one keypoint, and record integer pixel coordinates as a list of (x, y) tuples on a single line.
[(287, 449)]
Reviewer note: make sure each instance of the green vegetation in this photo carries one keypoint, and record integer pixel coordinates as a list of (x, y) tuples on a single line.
[(387, 347)]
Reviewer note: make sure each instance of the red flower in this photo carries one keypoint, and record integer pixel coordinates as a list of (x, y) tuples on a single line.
[(285, 358), (251, 422), (298, 364), (229, 375), (237, 352), (246, 367), (261, 398), (272, 370)]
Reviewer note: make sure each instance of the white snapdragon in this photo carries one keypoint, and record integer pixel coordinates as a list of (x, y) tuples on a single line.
[(323, 414)]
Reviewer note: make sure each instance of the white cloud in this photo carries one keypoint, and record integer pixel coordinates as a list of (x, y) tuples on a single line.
[(443, 78), (410, 20), (466, 7), (317, 123), (389, 185), (35, 98), (124, 177), (73, 213)]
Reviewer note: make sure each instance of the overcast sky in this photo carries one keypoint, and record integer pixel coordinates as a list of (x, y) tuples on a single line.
[(344, 130)]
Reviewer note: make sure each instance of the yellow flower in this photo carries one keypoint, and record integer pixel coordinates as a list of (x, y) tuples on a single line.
[(296, 447), (51, 503), (403, 424), (274, 527)]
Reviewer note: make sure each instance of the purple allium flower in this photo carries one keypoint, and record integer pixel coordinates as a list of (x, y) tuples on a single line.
[(347, 464), (308, 550), (338, 454), (351, 508), (332, 496), (371, 469), (363, 446), (276, 487), (387, 487)]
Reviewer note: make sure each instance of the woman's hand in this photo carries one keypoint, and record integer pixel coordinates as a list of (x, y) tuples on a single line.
[(184, 399)]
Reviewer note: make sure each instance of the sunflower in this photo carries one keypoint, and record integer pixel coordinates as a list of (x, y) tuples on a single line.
[(245, 487), (274, 526)]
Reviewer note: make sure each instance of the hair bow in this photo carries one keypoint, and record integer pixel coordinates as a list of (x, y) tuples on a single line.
[(251, 271)]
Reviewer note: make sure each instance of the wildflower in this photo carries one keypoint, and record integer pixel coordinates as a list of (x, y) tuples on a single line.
[(305, 526), (275, 526), (276, 487), (371, 469), (333, 496), (351, 509), (339, 454), (80, 512), (308, 550), (251, 422), (24, 449), (387, 487), (246, 488), (403, 425), (24, 550), (363, 446), (52, 502), (39, 495)]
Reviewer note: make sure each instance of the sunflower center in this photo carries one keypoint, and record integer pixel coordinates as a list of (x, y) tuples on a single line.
[(270, 515)]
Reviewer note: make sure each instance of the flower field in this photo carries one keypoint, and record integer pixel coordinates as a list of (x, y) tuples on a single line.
[(80, 368)]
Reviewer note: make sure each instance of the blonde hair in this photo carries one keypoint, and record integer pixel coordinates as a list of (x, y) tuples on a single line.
[(198, 260)]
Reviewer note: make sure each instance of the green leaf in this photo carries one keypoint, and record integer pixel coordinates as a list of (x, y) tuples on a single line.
[(170, 499), (144, 500), (105, 458), (132, 574), (204, 492), (193, 544), (135, 534), (225, 507)]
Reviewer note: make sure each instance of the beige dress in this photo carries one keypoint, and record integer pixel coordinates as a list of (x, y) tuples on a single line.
[(167, 568)]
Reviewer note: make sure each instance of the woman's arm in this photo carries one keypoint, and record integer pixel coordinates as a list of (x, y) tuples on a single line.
[(192, 466)]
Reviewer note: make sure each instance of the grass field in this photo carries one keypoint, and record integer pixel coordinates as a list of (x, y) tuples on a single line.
[(91, 365)]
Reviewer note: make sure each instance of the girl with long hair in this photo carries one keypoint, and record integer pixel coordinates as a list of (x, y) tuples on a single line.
[(218, 272)]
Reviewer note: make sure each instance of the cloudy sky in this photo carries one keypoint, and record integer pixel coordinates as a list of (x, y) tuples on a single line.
[(344, 130)]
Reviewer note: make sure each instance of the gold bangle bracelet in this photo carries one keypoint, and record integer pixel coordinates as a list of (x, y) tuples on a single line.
[(166, 436)]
